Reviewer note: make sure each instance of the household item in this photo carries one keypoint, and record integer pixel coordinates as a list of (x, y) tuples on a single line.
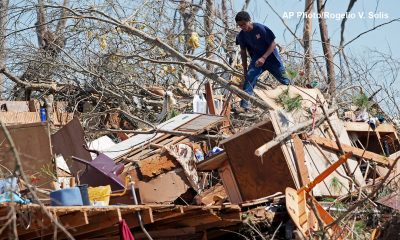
[(99, 196), (66, 197), (8, 197), (199, 104), (100, 172), (43, 116), (199, 155), (124, 231), (84, 193)]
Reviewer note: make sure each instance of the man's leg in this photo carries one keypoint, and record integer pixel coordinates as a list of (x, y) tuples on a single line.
[(253, 73), (278, 71)]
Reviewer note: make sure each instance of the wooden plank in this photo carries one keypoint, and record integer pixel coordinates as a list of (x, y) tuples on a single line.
[(212, 163), (364, 127), (257, 177), (19, 117), (229, 183), (330, 144), (212, 196), (210, 98), (167, 233), (69, 221), (300, 160), (169, 213), (98, 222), (14, 106)]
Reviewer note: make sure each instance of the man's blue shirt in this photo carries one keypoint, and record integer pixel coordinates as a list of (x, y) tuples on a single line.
[(257, 42)]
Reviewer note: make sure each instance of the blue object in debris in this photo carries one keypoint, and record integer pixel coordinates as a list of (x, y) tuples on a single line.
[(66, 197), (43, 116), (12, 197)]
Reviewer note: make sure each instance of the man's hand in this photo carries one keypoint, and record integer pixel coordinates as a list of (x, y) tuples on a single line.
[(260, 62)]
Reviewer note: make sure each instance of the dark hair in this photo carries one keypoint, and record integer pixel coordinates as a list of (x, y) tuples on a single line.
[(242, 16)]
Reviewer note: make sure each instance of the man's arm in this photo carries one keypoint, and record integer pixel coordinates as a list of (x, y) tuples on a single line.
[(243, 54), (262, 59)]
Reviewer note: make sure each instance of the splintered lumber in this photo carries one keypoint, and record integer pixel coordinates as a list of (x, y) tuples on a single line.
[(330, 144), (300, 203), (364, 127), (295, 129), (210, 98), (215, 194), (300, 160), (212, 163)]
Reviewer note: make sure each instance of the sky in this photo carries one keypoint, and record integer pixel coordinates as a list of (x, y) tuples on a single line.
[(385, 39), (365, 15)]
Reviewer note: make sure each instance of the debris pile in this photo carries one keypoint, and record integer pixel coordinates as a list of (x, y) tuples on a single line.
[(302, 170)]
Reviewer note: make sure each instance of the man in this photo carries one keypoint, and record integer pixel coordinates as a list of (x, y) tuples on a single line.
[(259, 41)]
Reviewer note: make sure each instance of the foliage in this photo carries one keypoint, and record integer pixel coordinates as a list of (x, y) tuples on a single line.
[(335, 185), (361, 100), (289, 103), (291, 74)]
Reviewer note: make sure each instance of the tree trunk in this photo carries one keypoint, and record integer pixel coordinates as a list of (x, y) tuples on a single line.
[(188, 13), (209, 36), (326, 46), (50, 43), (3, 22), (307, 31)]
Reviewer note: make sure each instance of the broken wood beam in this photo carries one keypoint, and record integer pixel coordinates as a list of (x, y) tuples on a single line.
[(300, 160), (295, 129), (358, 152), (210, 98)]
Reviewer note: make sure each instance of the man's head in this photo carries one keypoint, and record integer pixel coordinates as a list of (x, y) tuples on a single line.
[(243, 20)]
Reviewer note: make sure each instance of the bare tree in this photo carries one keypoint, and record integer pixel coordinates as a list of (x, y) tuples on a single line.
[(307, 33), (326, 46), (208, 27), (3, 22), (50, 43)]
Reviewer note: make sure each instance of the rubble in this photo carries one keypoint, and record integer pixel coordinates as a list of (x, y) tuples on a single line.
[(196, 177)]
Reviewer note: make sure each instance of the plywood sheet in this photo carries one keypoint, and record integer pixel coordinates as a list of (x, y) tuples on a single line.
[(257, 177), (69, 141), (14, 106), (19, 117), (32, 142), (164, 188)]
